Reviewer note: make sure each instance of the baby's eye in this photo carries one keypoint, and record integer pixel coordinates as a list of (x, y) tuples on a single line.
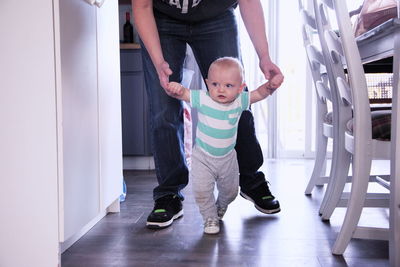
[(229, 85), (214, 84)]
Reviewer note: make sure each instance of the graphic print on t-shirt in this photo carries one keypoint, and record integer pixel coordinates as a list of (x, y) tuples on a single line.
[(184, 6), (194, 10)]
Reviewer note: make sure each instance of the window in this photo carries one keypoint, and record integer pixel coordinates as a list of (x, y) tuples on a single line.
[(280, 121)]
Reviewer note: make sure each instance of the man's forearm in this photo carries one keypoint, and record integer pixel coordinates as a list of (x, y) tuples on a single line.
[(147, 29), (253, 18)]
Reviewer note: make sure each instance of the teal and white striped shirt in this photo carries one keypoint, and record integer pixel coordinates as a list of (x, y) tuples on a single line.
[(217, 123)]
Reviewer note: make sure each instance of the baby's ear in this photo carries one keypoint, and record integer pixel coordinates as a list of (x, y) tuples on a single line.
[(207, 82), (242, 87)]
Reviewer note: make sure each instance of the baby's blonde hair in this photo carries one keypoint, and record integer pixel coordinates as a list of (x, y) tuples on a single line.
[(227, 63)]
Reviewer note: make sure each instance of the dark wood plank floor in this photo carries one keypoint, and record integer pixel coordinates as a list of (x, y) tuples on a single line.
[(294, 237)]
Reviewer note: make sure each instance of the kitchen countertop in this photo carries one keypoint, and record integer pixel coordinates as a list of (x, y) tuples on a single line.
[(129, 46)]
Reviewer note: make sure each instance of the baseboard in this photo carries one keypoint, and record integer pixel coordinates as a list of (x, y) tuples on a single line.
[(138, 163), (70, 241), (114, 207)]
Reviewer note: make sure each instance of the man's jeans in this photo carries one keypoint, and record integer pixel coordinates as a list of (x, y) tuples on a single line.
[(209, 40)]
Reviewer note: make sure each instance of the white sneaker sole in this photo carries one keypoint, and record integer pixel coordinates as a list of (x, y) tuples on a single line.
[(155, 225), (258, 207), (211, 230)]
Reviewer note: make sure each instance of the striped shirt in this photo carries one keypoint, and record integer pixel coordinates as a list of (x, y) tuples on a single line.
[(217, 123)]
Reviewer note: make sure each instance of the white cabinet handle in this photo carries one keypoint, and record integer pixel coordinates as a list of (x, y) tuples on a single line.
[(99, 3), (91, 2)]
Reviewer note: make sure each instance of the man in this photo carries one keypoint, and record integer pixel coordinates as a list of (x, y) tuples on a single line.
[(209, 27)]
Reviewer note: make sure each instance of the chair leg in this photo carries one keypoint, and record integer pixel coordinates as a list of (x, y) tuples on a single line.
[(361, 173), (318, 165), (340, 163), (337, 182), (323, 172)]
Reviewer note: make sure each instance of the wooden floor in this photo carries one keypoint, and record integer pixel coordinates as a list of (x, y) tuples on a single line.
[(294, 237)]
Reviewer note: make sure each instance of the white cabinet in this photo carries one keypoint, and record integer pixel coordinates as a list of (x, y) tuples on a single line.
[(60, 137), (78, 121), (109, 84), (89, 120)]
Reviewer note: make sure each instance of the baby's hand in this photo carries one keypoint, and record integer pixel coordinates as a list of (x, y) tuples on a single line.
[(274, 83), (175, 89)]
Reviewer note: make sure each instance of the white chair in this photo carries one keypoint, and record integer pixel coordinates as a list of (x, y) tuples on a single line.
[(329, 125), (341, 114), (324, 127), (361, 142), (334, 196), (326, 122)]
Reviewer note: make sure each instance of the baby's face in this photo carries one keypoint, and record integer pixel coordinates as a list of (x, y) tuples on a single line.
[(224, 85)]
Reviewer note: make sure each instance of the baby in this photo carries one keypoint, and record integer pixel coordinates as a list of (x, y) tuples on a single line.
[(214, 159)]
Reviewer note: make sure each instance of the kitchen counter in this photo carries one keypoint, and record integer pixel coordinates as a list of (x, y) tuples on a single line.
[(129, 46)]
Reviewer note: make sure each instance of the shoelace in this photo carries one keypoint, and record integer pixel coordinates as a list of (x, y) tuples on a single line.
[(264, 190), (268, 191), (162, 203), (211, 222)]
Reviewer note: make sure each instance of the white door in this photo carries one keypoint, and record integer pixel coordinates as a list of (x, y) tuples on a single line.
[(79, 140), (109, 88)]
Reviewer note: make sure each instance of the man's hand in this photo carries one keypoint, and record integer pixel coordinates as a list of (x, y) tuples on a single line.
[(269, 68), (163, 72)]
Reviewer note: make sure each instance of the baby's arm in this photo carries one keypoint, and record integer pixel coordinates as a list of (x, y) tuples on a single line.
[(266, 89), (177, 90)]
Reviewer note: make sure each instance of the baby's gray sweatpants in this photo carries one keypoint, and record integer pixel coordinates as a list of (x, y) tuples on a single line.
[(206, 171)]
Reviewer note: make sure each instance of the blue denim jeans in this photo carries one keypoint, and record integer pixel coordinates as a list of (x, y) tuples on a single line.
[(209, 40)]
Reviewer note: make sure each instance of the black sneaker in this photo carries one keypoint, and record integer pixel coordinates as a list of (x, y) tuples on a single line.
[(262, 198), (166, 210)]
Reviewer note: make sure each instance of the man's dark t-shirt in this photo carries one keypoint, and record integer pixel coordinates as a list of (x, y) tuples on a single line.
[(193, 10)]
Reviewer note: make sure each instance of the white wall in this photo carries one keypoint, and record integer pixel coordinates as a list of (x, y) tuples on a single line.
[(28, 182)]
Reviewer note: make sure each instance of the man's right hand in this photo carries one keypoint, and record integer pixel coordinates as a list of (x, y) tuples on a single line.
[(163, 72)]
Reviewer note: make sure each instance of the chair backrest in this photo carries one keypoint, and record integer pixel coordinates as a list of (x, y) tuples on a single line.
[(344, 54), (338, 61), (314, 55)]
